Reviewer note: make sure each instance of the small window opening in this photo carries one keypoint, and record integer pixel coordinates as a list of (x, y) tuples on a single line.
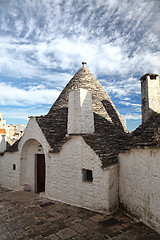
[(39, 148), (14, 166), (87, 175)]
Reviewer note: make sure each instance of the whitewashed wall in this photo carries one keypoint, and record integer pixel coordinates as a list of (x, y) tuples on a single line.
[(33, 131), (139, 183), (24, 159), (80, 113), (29, 147), (9, 178), (65, 184)]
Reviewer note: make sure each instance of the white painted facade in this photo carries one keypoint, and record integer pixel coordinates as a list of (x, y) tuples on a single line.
[(9, 178), (23, 159), (80, 113), (66, 183), (139, 184)]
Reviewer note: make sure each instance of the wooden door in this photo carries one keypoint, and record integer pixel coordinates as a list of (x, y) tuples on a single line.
[(40, 173)]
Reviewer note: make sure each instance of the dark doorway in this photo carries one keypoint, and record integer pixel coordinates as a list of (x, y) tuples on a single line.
[(40, 172)]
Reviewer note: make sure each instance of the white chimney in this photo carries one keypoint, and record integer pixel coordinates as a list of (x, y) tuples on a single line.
[(80, 113), (150, 95)]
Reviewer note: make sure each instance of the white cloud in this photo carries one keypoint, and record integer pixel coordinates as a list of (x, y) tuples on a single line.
[(105, 35), (10, 95), (123, 87), (130, 116), (134, 107), (33, 60)]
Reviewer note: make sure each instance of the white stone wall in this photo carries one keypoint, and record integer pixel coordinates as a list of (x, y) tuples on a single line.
[(9, 178), (113, 187), (29, 147), (33, 131), (24, 159), (139, 184), (80, 113), (65, 182)]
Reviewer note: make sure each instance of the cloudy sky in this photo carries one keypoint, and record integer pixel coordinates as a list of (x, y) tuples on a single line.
[(42, 45)]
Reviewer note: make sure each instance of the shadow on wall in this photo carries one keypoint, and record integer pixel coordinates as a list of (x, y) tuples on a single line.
[(113, 114)]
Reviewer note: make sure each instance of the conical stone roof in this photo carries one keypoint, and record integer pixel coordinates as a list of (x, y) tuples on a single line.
[(102, 103), (109, 137)]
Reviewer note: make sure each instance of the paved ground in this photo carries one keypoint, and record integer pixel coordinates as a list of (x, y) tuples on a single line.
[(27, 216)]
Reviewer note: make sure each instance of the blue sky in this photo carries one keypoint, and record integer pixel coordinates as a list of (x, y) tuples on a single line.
[(42, 45)]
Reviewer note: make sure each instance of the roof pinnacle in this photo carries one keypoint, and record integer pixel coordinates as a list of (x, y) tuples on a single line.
[(84, 64)]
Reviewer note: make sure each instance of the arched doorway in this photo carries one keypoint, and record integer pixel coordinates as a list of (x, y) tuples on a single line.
[(32, 166)]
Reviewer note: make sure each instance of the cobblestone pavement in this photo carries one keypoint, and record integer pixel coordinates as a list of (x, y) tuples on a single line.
[(26, 215)]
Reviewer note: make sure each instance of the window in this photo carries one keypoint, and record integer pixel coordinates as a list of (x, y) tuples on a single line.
[(14, 166), (87, 175)]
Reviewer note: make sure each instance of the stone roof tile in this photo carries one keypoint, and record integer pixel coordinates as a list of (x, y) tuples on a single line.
[(12, 148), (148, 133)]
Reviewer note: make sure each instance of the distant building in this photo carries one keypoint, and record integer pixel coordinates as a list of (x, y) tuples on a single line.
[(2, 134), (11, 132), (2, 122), (14, 132), (81, 153)]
